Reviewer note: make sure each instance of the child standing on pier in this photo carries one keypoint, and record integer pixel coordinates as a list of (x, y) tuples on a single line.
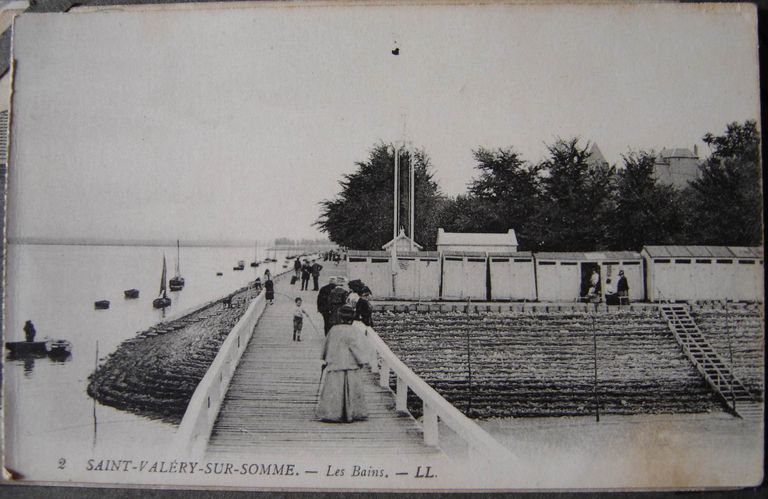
[(298, 320)]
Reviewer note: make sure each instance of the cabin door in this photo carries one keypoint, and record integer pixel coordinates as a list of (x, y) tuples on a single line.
[(587, 268)]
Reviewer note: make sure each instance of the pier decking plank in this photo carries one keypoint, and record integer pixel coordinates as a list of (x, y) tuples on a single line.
[(270, 405)]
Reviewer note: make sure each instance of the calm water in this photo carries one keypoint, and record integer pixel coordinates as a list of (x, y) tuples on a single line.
[(48, 413)]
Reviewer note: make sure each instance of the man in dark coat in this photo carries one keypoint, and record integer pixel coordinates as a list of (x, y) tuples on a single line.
[(622, 288), (323, 304), (363, 310), (316, 268), (297, 268), (306, 271)]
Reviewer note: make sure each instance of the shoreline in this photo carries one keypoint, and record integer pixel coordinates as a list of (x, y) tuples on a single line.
[(155, 373)]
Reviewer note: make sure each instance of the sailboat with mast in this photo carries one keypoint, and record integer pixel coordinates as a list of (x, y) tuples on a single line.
[(255, 262), (177, 282), (162, 300)]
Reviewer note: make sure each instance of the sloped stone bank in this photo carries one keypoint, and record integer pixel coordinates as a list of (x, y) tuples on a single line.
[(155, 373), (542, 364)]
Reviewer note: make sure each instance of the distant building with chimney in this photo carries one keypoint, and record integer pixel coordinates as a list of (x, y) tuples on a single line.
[(677, 166)]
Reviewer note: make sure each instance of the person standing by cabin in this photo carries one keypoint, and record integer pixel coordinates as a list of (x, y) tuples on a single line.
[(622, 288), (324, 304), (306, 272), (298, 319), (269, 287), (29, 331), (316, 268), (342, 398), (363, 309), (297, 268)]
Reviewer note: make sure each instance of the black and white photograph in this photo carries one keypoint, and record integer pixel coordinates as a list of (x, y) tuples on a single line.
[(382, 246)]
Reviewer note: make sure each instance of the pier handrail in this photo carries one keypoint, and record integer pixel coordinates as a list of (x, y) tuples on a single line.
[(435, 406), (195, 429), (192, 436)]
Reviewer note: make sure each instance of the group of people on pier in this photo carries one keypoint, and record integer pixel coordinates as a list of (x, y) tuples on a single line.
[(342, 398)]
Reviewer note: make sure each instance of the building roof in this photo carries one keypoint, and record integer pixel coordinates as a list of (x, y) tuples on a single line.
[(588, 256), (400, 237), (704, 251), (677, 152), (476, 238)]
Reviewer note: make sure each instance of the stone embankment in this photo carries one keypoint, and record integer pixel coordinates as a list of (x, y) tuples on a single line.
[(542, 364), (155, 373)]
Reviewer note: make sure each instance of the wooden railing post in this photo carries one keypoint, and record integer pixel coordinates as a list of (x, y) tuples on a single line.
[(401, 399), (429, 420), (384, 374)]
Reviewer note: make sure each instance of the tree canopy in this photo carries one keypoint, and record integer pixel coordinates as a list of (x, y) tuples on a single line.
[(360, 216), (566, 202)]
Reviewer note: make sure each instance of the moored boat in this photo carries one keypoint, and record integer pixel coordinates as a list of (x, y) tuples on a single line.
[(177, 282), (219, 273), (26, 347), (60, 348), (101, 304), (255, 262), (131, 293), (162, 300), (240, 265)]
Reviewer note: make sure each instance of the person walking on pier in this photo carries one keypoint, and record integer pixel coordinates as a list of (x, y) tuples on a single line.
[(297, 268), (315, 268), (324, 304), (306, 271), (363, 310), (298, 319), (342, 397), (269, 288)]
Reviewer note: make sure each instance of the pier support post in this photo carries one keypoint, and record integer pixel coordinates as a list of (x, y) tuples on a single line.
[(430, 426), (401, 399)]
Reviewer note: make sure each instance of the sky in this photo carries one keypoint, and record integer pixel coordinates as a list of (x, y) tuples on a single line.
[(234, 123)]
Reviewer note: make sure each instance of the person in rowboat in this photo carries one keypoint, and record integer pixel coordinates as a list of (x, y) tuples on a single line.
[(29, 331)]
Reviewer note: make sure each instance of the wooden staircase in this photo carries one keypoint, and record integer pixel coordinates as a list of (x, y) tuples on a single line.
[(706, 360)]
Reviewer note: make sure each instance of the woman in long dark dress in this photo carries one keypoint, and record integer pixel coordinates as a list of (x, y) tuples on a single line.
[(269, 288), (342, 398)]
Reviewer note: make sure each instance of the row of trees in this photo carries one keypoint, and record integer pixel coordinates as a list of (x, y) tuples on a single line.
[(565, 202)]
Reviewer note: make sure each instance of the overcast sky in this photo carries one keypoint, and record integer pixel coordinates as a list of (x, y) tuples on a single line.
[(235, 123)]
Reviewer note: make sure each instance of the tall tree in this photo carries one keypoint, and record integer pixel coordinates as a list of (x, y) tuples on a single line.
[(645, 212), (360, 216), (726, 199), (576, 200), (506, 194)]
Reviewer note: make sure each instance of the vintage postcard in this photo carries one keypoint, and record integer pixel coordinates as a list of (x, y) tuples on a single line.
[(384, 247)]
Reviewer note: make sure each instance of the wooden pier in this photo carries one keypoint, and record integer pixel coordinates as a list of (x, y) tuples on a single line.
[(270, 405)]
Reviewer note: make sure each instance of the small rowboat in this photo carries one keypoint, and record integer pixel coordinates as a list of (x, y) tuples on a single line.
[(59, 348), (26, 347), (101, 305), (219, 273), (131, 293)]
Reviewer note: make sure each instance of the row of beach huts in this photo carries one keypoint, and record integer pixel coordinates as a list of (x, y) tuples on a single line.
[(656, 273)]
